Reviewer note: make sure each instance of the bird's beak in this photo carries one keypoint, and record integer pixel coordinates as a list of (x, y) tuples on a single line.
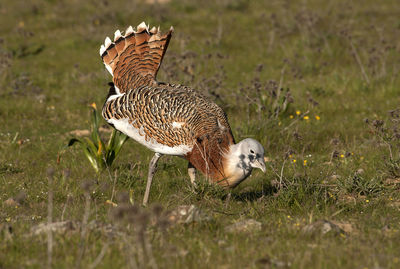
[(259, 163)]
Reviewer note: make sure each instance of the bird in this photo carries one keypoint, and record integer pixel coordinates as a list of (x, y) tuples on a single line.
[(171, 119)]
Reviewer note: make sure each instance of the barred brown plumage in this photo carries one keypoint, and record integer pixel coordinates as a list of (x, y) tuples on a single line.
[(171, 119), (155, 108)]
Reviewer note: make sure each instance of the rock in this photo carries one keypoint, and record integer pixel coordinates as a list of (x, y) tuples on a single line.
[(392, 181), (80, 133), (248, 225), (395, 204), (40, 98), (346, 227), (322, 227), (11, 202), (86, 132), (105, 228), (151, 2), (186, 214), (335, 177), (59, 227), (360, 171), (348, 199)]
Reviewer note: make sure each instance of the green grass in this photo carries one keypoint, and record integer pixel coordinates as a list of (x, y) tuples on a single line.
[(50, 72)]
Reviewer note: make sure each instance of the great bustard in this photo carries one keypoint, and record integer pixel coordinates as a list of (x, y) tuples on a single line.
[(171, 119)]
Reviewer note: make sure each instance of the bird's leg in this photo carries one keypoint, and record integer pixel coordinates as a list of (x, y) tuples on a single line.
[(192, 173), (228, 198), (152, 171)]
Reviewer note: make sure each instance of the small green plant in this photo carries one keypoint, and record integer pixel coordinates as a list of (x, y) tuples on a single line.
[(357, 184), (388, 134), (269, 99), (99, 155)]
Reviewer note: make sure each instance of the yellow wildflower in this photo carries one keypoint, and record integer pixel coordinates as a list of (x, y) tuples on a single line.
[(306, 117), (317, 117), (294, 161), (298, 112), (341, 155), (291, 116), (305, 162), (100, 149)]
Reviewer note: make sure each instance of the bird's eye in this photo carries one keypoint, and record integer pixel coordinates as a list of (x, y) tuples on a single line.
[(252, 151)]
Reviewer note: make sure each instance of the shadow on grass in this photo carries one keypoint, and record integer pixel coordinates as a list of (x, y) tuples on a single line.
[(252, 195)]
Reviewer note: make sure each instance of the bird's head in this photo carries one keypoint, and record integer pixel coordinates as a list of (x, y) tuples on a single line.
[(241, 159), (251, 153)]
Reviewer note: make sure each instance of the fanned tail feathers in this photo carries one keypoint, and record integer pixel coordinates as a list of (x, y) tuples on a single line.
[(133, 59)]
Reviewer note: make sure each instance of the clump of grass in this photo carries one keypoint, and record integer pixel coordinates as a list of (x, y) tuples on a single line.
[(99, 155), (388, 135), (360, 185), (268, 100)]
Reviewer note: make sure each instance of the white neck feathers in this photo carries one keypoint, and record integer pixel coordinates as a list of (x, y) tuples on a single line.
[(236, 167)]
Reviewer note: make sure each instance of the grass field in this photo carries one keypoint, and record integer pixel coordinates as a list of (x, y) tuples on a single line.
[(330, 197)]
